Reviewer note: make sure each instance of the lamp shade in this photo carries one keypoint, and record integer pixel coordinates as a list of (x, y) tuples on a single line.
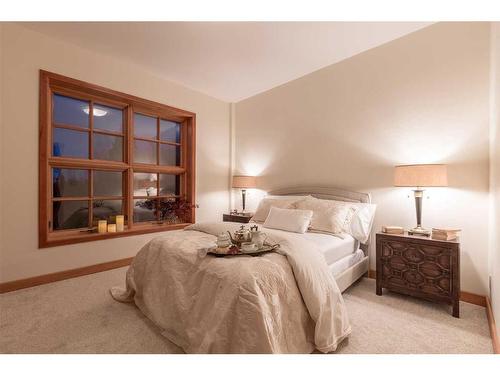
[(244, 182), (421, 175)]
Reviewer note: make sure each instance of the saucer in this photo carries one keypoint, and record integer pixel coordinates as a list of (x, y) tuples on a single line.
[(250, 249)]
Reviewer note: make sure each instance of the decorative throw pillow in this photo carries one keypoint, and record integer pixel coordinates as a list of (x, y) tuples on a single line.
[(328, 215), (266, 204), (291, 220)]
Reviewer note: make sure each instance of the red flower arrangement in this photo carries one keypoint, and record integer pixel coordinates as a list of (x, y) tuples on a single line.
[(176, 210)]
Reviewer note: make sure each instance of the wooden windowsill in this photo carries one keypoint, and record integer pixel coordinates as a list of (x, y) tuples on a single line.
[(71, 237)]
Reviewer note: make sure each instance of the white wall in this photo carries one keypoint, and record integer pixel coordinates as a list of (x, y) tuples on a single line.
[(420, 99), (1, 128), (24, 52), (495, 172)]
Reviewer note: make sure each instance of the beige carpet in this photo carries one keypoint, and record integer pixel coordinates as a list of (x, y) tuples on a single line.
[(79, 316)]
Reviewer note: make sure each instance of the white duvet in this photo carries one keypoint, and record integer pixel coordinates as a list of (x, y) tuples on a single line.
[(285, 302)]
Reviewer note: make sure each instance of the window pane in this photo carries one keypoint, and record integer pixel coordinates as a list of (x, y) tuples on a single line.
[(169, 184), (108, 118), (145, 126), (145, 184), (70, 214), (108, 147), (70, 111), (107, 183), (106, 210), (145, 152), (70, 143), (170, 155), (144, 210), (70, 182), (170, 131)]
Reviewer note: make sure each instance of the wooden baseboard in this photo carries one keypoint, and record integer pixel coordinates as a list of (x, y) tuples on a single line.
[(493, 327), (62, 275), (475, 299), (372, 274)]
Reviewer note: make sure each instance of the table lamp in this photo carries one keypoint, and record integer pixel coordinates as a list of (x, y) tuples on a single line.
[(243, 183), (418, 176)]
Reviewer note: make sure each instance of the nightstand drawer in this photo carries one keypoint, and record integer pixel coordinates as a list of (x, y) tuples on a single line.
[(425, 255), (417, 278)]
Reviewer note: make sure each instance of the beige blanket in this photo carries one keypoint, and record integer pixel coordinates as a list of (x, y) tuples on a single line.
[(273, 303)]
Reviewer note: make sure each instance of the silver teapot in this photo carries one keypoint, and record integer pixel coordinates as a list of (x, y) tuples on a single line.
[(240, 236)]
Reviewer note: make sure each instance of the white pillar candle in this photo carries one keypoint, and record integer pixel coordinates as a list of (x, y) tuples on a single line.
[(102, 226), (111, 227), (120, 221)]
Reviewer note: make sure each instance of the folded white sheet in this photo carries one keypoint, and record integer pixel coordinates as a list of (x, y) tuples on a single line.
[(332, 247)]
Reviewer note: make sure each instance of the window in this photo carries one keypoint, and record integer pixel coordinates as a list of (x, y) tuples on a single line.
[(105, 153)]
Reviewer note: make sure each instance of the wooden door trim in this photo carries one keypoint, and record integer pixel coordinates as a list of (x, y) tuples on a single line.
[(493, 328)]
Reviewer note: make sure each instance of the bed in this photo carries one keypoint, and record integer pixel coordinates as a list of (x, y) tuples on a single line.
[(345, 270), (282, 302)]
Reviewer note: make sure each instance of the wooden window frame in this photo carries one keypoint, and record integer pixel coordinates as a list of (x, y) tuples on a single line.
[(51, 83)]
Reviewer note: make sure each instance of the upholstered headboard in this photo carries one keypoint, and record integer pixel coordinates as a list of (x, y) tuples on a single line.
[(324, 192)]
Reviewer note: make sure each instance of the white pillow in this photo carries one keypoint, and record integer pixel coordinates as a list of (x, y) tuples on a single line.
[(329, 216), (266, 204), (362, 221), (291, 220)]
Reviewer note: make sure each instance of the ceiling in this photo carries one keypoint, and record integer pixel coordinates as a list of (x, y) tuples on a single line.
[(229, 60)]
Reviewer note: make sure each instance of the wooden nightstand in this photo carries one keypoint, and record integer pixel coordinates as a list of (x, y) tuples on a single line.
[(420, 267), (237, 218)]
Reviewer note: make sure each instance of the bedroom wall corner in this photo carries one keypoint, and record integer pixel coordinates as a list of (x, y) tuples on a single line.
[(422, 98), (25, 52), (494, 260), (232, 151)]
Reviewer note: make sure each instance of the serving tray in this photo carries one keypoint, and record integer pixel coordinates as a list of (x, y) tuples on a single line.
[(218, 252)]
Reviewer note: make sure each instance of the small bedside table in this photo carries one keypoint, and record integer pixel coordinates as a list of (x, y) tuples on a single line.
[(420, 267), (237, 218)]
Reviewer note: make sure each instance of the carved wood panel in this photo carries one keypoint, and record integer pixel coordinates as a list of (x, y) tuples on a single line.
[(419, 267)]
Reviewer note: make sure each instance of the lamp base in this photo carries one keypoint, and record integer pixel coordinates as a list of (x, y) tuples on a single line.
[(419, 231)]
